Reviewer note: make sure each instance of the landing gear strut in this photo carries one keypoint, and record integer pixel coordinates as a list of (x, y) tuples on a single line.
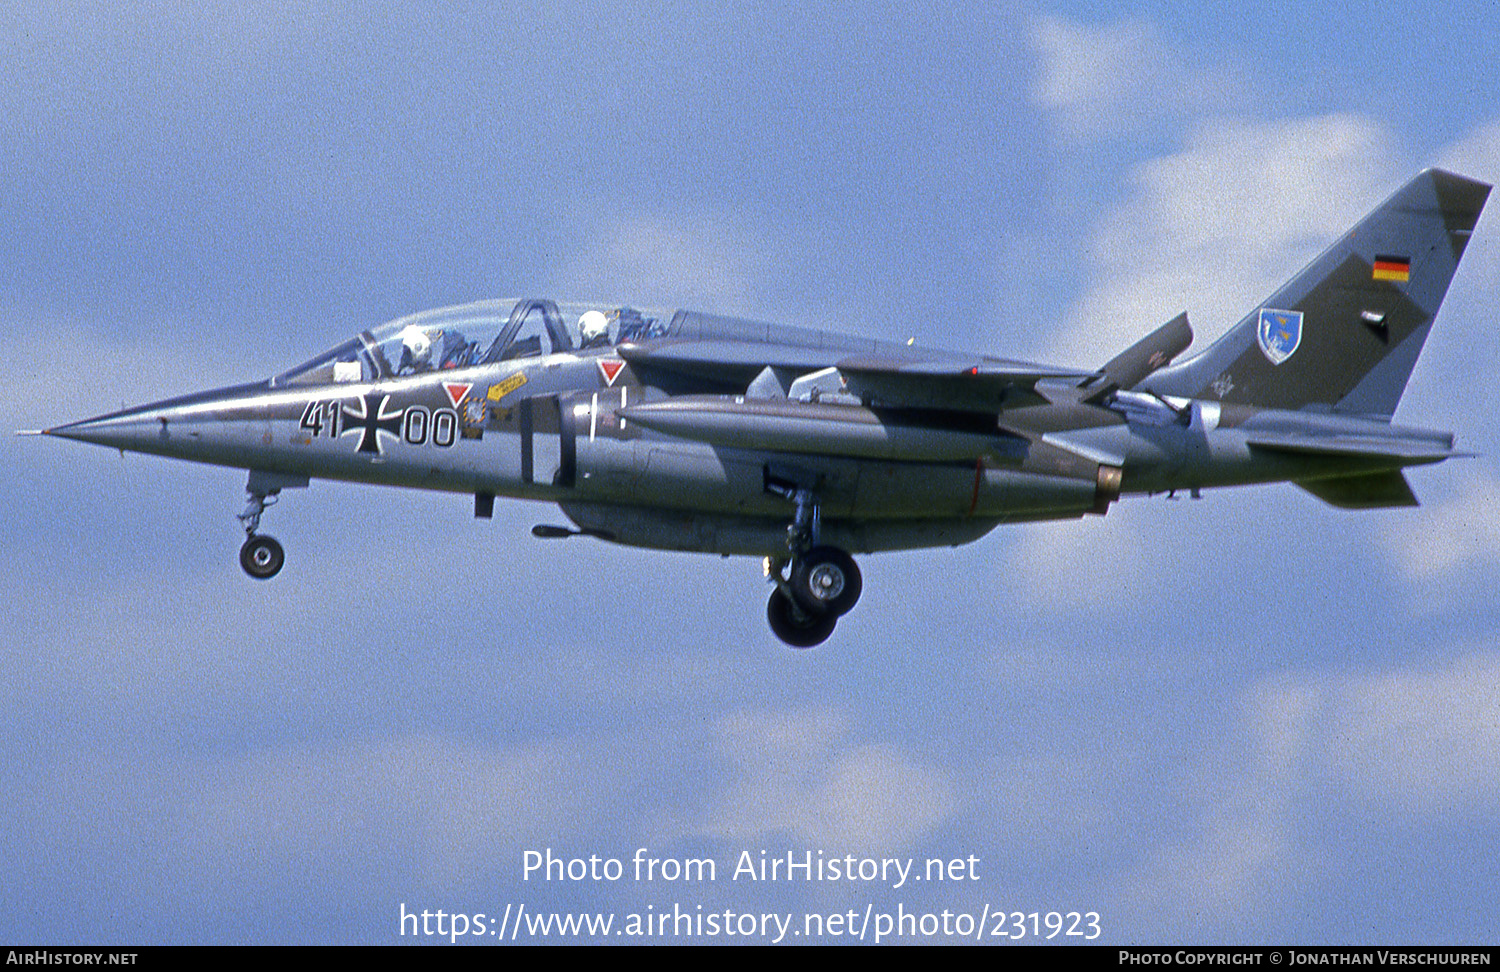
[(815, 586), (261, 556)]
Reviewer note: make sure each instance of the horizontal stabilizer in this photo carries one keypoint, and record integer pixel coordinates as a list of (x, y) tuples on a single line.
[(1406, 450), (1373, 491)]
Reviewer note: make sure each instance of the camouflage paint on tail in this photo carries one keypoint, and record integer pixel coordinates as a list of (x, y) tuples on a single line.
[(1344, 334)]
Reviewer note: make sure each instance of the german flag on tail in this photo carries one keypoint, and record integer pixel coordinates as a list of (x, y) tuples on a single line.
[(1396, 269)]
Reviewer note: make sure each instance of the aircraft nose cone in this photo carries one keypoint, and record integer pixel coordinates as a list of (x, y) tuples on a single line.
[(118, 430), (171, 427)]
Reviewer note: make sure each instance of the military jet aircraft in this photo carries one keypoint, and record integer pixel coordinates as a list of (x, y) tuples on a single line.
[(682, 430)]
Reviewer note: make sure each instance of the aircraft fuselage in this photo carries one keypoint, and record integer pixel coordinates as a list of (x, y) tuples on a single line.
[(689, 431), (557, 429)]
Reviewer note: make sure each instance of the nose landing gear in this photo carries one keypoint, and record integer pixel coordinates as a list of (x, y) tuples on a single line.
[(261, 556)]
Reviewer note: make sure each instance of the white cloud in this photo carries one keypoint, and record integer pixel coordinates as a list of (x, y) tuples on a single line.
[(1462, 533), (1421, 741), (798, 777), (1477, 155), (1406, 743), (683, 260), (1217, 226), (444, 810), (1144, 546), (1086, 563), (138, 361), (1049, 803), (1241, 850), (1091, 77), (1096, 81), (165, 827)]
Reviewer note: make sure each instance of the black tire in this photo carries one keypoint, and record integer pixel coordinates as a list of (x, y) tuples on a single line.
[(796, 627), (825, 580), (262, 557)]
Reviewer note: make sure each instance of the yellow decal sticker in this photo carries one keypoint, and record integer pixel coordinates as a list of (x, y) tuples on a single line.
[(507, 386)]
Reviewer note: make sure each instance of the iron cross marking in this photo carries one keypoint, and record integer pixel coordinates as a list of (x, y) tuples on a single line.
[(371, 420)]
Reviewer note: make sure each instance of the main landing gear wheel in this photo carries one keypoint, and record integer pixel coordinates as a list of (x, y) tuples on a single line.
[(825, 580), (262, 557), (817, 584), (795, 626)]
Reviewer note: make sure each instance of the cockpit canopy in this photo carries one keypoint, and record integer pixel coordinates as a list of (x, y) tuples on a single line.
[(477, 334)]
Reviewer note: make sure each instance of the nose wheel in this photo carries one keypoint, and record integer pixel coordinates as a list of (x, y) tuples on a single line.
[(261, 556)]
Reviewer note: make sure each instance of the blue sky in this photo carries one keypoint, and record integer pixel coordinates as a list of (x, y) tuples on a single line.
[(1252, 718)]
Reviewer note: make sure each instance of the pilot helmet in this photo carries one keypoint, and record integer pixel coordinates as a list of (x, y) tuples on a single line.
[(593, 325), (417, 346)]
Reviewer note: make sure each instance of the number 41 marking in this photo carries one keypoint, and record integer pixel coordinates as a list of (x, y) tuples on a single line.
[(320, 416)]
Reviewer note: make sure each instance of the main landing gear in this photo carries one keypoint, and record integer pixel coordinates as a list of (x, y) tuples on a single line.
[(815, 586)]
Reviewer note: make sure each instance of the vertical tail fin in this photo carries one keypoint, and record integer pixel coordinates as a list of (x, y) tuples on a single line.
[(1344, 334)]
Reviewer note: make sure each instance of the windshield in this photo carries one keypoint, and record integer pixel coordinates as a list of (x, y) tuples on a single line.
[(477, 334)]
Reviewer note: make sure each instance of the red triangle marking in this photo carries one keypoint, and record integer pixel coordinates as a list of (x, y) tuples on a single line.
[(611, 369), (456, 393)]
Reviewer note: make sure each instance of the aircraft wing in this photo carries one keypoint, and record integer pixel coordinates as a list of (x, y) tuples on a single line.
[(954, 384), (922, 380), (724, 359)]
